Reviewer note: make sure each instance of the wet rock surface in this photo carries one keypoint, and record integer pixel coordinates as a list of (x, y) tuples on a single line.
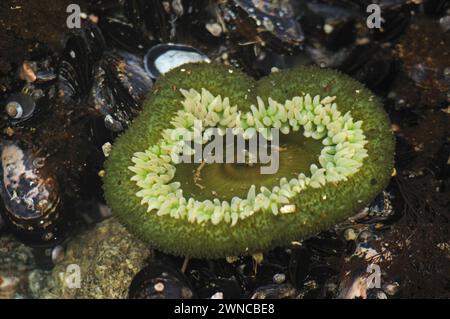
[(16, 261), (23, 23), (107, 256), (425, 63), (14, 256)]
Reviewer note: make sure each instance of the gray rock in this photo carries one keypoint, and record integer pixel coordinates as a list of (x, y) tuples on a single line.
[(106, 258), (39, 284), (16, 260)]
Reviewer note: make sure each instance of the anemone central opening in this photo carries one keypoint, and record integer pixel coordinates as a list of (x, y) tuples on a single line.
[(226, 180)]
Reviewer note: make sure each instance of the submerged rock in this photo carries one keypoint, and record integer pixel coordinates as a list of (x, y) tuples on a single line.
[(106, 258), (39, 283), (16, 260)]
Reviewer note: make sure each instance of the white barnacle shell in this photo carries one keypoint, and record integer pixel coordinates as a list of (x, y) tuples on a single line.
[(287, 209)]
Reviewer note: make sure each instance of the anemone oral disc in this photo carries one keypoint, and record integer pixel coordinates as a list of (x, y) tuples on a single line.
[(341, 156)]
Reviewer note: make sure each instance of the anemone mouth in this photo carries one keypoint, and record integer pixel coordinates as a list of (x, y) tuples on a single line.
[(327, 146), (224, 181)]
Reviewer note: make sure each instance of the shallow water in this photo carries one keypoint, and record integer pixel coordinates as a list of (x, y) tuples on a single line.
[(404, 232)]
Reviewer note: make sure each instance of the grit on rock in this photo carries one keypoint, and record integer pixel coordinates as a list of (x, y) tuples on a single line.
[(108, 257), (27, 22), (16, 260)]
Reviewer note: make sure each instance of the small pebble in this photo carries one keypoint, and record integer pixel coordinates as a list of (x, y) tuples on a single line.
[(350, 234), (274, 69), (58, 254), (106, 148), (279, 278), (159, 287), (328, 28), (217, 295), (391, 289), (231, 259), (214, 28), (445, 23), (381, 295)]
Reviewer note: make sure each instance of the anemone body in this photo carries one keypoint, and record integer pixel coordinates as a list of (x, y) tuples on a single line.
[(313, 209)]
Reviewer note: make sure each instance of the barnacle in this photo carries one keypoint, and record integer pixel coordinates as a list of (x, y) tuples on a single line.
[(336, 154)]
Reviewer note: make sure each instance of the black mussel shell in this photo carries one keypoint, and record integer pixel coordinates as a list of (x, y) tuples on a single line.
[(258, 63), (135, 11), (2, 223), (299, 265), (376, 73), (121, 35), (325, 58), (105, 7), (164, 21), (272, 23), (165, 57), (149, 16), (325, 245), (396, 15), (439, 164), (221, 288), (160, 280), (381, 208), (333, 25), (119, 89), (435, 7), (385, 209), (214, 279), (275, 291), (39, 68), (82, 49), (370, 65), (353, 282), (30, 195)]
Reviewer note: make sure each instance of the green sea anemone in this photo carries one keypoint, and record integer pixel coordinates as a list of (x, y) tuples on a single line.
[(335, 156)]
